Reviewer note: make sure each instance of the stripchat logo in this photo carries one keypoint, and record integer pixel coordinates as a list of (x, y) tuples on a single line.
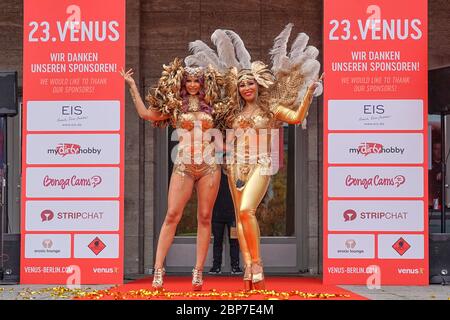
[(349, 215), (47, 215)]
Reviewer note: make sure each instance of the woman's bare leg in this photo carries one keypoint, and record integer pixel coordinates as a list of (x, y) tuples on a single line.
[(207, 189), (180, 191)]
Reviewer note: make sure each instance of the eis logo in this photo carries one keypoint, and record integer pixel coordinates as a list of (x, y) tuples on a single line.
[(366, 148)]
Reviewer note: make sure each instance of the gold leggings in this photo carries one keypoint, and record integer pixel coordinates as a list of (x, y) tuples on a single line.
[(246, 199)]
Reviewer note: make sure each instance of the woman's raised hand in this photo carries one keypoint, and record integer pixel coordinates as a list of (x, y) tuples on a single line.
[(317, 86), (128, 76)]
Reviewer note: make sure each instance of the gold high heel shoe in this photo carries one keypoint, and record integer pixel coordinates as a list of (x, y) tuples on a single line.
[(197, 279), (258, 282), (248, 277), (158, 274)]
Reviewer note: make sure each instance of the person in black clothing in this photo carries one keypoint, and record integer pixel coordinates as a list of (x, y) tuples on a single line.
[(223, 218)]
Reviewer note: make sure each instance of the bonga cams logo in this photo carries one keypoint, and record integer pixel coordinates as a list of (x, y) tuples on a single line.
[(376, 181), (74, 181)]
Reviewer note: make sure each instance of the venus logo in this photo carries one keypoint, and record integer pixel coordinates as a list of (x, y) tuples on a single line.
[(47, 215), (349, 215)]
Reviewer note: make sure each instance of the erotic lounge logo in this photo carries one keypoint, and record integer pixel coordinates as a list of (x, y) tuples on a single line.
[(47, 215), (74, 181), (47, 243), (376, 181), (350, 244)]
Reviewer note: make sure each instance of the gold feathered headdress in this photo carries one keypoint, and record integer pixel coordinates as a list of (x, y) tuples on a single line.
[(165, 97), (288, 79)]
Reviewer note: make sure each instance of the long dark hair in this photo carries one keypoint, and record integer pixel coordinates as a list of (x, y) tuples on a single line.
[(204, 107)]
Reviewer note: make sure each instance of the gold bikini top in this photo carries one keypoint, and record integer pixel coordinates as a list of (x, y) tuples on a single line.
[(194, 116), (257, 121), (188, 120)]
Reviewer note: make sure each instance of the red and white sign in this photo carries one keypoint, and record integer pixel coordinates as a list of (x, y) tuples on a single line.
[(376, 215), (73, 142), (375, 142)]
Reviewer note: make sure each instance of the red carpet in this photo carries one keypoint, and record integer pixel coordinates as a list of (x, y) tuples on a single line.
[(226, 288)]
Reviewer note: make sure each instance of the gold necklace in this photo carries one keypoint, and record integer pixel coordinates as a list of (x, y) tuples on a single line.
[(251, 113), (194, 104)]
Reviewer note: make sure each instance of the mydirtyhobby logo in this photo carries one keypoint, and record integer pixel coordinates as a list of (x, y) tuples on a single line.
[(376, 181), (74, 181), (366, 148), (351, 215), (64, 149), (47, 215)]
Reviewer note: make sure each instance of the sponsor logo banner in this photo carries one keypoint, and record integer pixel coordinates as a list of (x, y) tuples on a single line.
[(375, 141), (351, 246), (73, 139), (96, 246), (72, 215), (72, 182), (375, 182), (73, 149), (73, 115), (375, 115), (376, 215), (402, 148), (401, 246), (49, 246)]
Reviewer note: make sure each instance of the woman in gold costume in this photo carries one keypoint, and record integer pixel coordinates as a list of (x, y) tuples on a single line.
[(258, 101), (184, 98)]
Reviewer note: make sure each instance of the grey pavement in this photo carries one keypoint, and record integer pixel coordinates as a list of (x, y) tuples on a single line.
[(431, 292), (56, 292), (44, 292)]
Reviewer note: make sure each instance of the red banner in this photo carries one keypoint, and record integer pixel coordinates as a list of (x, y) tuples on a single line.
[(73, 142), (375, 142)]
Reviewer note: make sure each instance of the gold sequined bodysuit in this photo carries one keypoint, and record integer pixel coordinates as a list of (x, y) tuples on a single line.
[(195, 157)]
